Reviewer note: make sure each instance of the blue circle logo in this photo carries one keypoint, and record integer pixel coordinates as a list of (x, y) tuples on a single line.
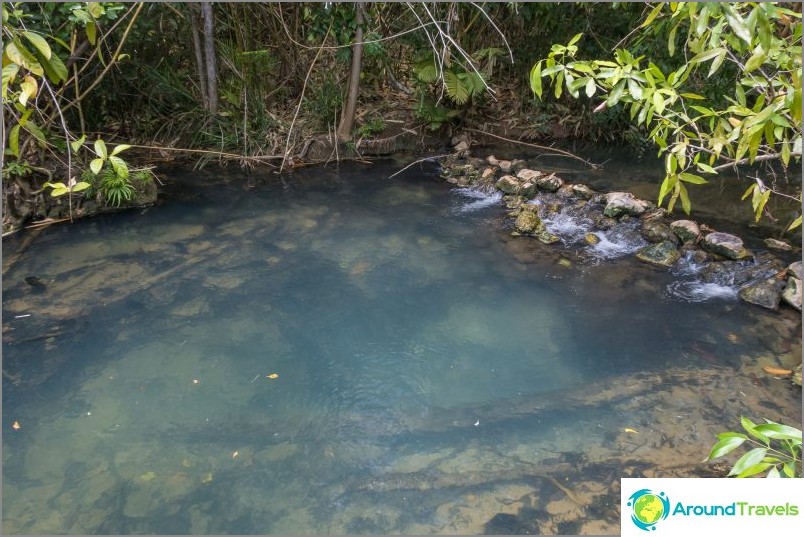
[(648, 508)]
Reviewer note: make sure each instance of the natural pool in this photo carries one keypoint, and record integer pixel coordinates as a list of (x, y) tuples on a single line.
[(339, 352)]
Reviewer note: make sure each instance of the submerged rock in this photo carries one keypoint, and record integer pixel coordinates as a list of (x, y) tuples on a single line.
[(796, 378), (505, 165), (725, 244), (545, 236), (663, 254), (604, 222), (492, 160), (792, 293), (686, 230), (508, 184), (778, 245), (622, 203), (487, 173), (766, 293)]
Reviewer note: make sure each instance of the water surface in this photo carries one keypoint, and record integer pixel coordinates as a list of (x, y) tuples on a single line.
[(339, 352)]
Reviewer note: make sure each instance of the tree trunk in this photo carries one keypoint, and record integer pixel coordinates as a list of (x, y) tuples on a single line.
[(348, 116), (199, 55), (211, 66)]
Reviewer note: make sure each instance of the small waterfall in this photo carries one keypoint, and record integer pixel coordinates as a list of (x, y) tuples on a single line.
[(572, 225), (482, 198), (692, 288)]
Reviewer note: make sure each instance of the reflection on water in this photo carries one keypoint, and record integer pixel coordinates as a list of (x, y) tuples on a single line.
[(344, 353)]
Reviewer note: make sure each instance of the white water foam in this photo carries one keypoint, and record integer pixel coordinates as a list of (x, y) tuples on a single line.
[(618, 242), (698, 291), (482, 199), (568, 228)]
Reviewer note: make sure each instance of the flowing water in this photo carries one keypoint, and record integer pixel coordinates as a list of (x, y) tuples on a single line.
[(339, 352)]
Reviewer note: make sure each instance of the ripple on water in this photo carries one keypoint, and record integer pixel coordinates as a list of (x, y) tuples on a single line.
[(482, 198)]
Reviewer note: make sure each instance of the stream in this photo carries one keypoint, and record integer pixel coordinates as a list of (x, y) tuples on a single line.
[(337, 352)]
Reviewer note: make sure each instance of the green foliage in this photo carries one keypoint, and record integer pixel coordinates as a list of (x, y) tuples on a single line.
[(760, 120), (114, 189), (777, 451), (461, 86), (371, 128), (324, 100)]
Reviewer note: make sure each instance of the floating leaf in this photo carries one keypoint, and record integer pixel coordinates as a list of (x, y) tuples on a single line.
[(272, 376), (16, 426)]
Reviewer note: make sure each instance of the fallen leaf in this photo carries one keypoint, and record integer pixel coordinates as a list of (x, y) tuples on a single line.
[(207, 478), (629, 430), (16, 426), (777, 371), (196, 381), (734, 338), (272, 376), (235, 454)]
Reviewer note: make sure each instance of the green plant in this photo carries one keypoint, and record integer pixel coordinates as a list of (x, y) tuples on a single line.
[(114, 188), (777, 446), (757, 120), (371, 127)]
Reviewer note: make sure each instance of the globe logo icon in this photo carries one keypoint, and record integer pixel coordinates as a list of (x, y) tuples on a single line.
[(648, 508)]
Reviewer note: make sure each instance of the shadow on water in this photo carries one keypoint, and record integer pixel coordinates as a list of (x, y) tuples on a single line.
[(342, 353)]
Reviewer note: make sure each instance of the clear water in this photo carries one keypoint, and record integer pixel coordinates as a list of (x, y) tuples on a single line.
[(338, 352)]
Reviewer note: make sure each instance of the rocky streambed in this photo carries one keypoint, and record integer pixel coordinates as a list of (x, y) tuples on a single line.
[(543, 206)]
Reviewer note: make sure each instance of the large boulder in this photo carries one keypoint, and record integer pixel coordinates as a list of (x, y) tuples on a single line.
[(792, 293), (550, 183), (686, 230), (621, 203), (508, 184), (725, 244), (663, 254), (766, 293)]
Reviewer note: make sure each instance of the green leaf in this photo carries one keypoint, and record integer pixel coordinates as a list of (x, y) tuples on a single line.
[(692, 178), (796, 223), (653, 14), (747, 424), (120, 148), (706, 168), (96, 165), (574, 39), (755, 469), (658, 102), (590, 87), (634, 89), (777, 430), (9, 74), (693, 96), (77, 144), (707, 55), (755, 61), (789, 469), (616, 94), (58, 71), (748, 192), (717, 62), (28, 89), (38, 42), (748, 460), (773, 473), (724, 446), (737, 24), (100, 148), (119, 166), (91, 30), (78, 187), (18, 54), (685, 198), (31, 127), (14, 141)]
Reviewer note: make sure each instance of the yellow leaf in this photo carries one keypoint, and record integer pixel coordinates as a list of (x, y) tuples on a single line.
[(629, 430), (272, 376), (16, 426)]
